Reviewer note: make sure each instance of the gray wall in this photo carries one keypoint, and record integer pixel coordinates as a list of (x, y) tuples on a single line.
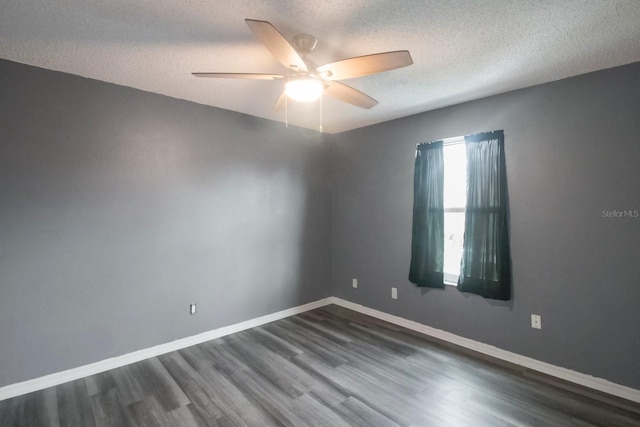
[(118, 208), (572, 150)]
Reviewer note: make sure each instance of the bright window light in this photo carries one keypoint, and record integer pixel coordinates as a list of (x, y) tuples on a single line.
[(455, 198), (304, 90)]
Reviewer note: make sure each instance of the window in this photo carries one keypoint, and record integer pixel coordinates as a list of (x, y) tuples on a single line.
[(460, 232), (455, 198)]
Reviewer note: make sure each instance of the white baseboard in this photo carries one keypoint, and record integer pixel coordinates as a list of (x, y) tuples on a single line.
[(594, 383), (57, 378)]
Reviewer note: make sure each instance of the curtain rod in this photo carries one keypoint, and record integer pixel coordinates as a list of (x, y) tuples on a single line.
[(457, 139)]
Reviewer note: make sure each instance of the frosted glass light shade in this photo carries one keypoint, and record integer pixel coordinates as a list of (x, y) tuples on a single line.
[(304, 90)]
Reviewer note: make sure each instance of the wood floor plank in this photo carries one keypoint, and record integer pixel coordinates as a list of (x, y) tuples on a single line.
[(360, 414), (317, 413), (74, 408), (108, 410), (193, 386), (280, 371), (309, 342), (274, 343), (224, 360), (180, 370), (196, 357), (326, 367), (149, 413), (100, 382), (8, 415), (159, 383), (263, 363), (128, 384), (355, 387), (47, 408), (321, 329), (238, 407), (30, 413), (187, 416), (202, 404), (272, 399)]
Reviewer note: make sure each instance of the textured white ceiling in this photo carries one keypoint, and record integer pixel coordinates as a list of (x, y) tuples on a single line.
[(462, 49)]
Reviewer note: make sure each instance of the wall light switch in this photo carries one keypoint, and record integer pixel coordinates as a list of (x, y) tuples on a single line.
[(192, 309), (536, 321), (354, 283), (394, 293)]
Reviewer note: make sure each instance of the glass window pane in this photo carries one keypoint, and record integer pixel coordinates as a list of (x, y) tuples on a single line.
[(455, 175), (453, 235)]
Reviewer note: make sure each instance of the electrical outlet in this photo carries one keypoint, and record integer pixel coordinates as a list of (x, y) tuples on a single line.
[(394, 293), (536, 321), (354, 283), (192, 309)]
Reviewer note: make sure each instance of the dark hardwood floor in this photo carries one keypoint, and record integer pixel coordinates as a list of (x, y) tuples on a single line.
[(327, 367)]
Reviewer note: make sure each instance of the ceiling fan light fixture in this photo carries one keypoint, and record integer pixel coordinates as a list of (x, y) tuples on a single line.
[(306, 82), (304, 90)]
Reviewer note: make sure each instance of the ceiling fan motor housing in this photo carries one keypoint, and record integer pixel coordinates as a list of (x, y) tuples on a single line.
[(304, 43)]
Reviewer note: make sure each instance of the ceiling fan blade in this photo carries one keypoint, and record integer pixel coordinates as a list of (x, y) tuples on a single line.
[(349, 95), (254, 76), (365, 65), (281, 102), (277, 44)]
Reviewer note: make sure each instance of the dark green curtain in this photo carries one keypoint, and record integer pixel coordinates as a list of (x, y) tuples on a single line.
[(427, 240), (486, 261)]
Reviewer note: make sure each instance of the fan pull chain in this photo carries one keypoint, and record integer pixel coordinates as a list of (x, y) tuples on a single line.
[(286, 112)]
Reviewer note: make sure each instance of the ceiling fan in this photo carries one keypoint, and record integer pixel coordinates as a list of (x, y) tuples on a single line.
[(306, 81)]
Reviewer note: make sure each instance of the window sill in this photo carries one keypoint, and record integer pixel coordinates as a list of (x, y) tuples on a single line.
[(450, 279)]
